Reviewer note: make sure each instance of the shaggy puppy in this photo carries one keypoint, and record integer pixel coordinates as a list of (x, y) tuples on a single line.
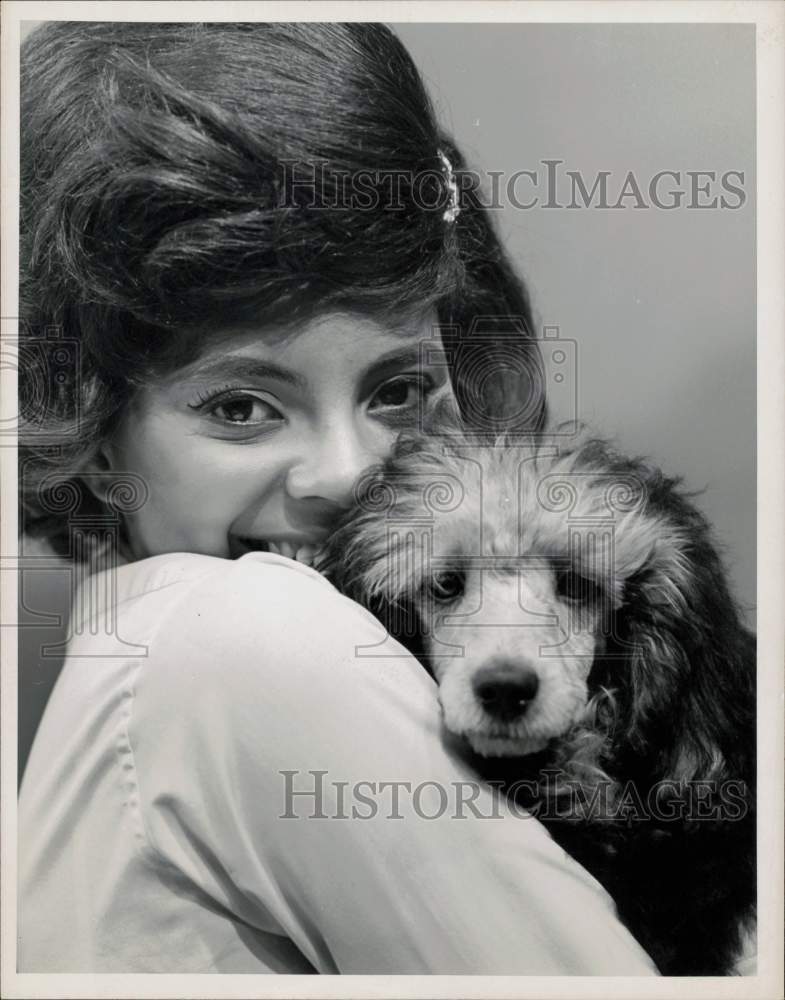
[(575, 614)]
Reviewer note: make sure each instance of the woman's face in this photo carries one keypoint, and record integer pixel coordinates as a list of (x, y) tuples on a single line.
[(259, 442)]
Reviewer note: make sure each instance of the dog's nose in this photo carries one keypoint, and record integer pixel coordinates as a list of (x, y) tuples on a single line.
[(505, 689)]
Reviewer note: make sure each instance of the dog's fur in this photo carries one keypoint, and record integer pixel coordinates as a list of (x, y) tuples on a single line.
[(594, 579)]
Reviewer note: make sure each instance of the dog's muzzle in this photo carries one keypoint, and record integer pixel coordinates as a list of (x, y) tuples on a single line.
[(505, 690)]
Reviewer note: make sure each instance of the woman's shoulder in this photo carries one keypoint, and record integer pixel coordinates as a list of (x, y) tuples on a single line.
[(244, 578), (224, 637), (205, 605), (149, 592), (186, 569), (199, 591), (261, 645)]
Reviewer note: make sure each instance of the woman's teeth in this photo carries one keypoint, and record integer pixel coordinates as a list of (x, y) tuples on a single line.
[(303, 553)]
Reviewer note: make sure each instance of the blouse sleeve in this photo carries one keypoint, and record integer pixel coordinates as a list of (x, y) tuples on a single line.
[(302, 783)]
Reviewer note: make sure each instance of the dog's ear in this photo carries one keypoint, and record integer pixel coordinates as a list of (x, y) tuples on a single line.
[(375, 555), (688, 677)]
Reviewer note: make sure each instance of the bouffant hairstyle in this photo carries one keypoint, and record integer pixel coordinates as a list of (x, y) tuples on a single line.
[(177, 179)]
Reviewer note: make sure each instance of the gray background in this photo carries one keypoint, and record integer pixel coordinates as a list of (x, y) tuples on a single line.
[(661, 304)]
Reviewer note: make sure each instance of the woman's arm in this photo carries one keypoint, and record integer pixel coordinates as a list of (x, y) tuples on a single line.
[(257, 684)]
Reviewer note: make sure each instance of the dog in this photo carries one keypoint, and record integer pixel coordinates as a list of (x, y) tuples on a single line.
[(573, 609)]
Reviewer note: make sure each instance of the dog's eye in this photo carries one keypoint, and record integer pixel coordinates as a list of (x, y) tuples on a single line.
[(573, 587), (448, 585)]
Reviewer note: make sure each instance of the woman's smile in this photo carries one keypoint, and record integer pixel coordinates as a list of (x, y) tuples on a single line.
[(257, 445), (302, 550)]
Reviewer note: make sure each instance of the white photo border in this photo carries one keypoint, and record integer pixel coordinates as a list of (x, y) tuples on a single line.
[(769, 19)]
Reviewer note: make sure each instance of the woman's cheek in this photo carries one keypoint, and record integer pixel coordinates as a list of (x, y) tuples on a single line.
[(382, 438), (185, 514)]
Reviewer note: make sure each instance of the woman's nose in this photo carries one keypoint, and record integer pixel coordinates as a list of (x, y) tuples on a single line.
[(332, 466)]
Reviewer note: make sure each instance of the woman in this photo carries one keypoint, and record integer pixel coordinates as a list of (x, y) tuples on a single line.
[(254, 237)]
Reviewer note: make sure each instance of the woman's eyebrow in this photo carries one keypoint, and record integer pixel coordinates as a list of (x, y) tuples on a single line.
[(244, 367), (407, 357)]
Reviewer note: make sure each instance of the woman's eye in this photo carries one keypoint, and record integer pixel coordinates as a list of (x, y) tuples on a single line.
[(571, 586), (240, 409), (401, 392), (244, 410), (448, 585)]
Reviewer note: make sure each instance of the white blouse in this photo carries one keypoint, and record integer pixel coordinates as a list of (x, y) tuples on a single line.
[(230, 781)]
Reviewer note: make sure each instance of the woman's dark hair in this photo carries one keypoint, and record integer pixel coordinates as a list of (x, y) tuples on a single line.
[(182, 178)]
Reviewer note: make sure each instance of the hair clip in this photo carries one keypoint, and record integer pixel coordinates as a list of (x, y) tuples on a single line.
[(453, 209)]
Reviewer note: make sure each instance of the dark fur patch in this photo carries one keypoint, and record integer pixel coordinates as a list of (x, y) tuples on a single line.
[(676, 712)]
